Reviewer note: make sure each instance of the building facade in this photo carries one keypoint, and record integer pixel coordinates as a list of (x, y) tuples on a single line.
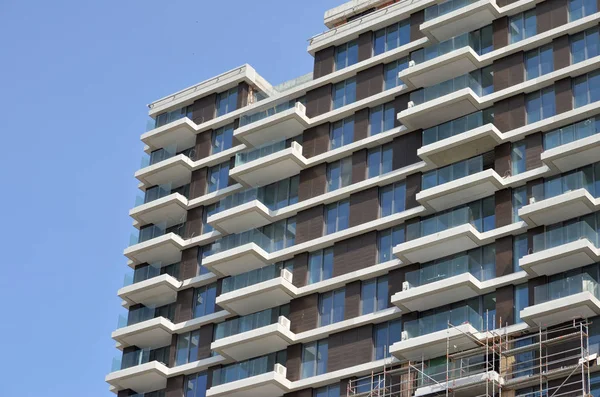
[(418, 216)]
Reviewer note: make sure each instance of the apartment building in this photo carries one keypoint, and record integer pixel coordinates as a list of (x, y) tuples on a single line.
[(418, 216)]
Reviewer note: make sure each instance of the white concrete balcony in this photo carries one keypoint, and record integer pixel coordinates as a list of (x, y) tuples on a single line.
[(568, 205), (156, 291), (441, 109), (560, 250), (281, 125), (281, 164), (180, 132), (441, 68), (451, 194), (230, 259), (465, 19), (170, 210), (438, 245), (563, 300), (461, 146), (166, 249), (256, 342), (434, 344), (176, 170), (573, 155), (155, 332), (270, 384), (251, 215), (427, 296), (142, 378), (257, 297)]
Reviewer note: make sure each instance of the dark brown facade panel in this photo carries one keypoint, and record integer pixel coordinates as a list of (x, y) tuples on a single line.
[(510, 113), (173, 350), (242, 97), (354, 253), (198, 183), (359, 166), (413, 186), (551, 14), (193, 223), (318, 101), (304, 313), (349, 348), (398, 276), (206, 336), (324, 62), (405, 149), (502, 159), (505, 305), (532, 283), (500, 32), (175, 386), (504, 256), (502, 3), (400, 103), (361, 124), (509, 71), (416, 19), (184, 305), (230, 180), (365, 46), (294, 362), (533, 149), (503, 200), (204, 109), (561, 51), (352, 300), (369, 82), (309, 224), (313, 182), (189, 263), (300, 272), (563, 91), (203, 145), (364, 206), (300, 393), (315, 140)]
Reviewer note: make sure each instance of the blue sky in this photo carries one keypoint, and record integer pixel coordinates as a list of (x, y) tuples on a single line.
[(75, 77)]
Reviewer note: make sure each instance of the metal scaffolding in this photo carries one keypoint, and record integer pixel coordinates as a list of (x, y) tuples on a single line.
[(552, 362)]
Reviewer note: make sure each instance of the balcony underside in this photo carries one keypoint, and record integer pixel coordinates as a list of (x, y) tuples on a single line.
[(258, 297), (147, 334), (157, 291), (181, 132), (461, 146), (254, 343), (164, 249), (237, 260), (142, 378), (244, 217), (578, 306), (573, 155), (439, 293), (171, 209), (560, 259), (271, 168), (271, 384), (460, 191), (566, 206), (176, 170), (283, 125), (434, 344), (465, 19), (465, 386), (442, 68)]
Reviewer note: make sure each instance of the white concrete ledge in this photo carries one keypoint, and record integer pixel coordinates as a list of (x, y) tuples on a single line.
[(573, 155), (156, 291), (270, 384), (560, 208), (560, 259), (171, 209), (578, 306)]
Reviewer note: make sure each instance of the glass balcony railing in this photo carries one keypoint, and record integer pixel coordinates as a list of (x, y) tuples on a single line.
[(278, 108), (583, 179), (249, 322), (148, 272), (145, 313), (445, 8), (255, 154), (139, 357), (284, 236), (565, 287), (571, 133), (452, 172), (457, 126), (255, 276), (274, 196), (247, 369), (461, 368), (439, 49), (155, 230), (160, 191), (558, 235), (480, 82), (164, 154), (439, 321)]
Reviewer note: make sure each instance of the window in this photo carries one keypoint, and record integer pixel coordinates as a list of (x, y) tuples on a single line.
[(342, 133), (374, 295), (572, 132), (586, 89), (320, 265), (379, 160), (208, 211), (339, 174), (331, 307), (517, 157), (540, 105), (392, 199), (390, 73), (201, 269), (489, 311), (279, 235), (344, 93), (187, 347), (519, 250), (522, 26), (581, 8), (204, 300), (538, 62), (227, 101), (336, 216), (314, 358), (458, 126), (391, 37), (279, 194), (584, 45), (248, 368), (327, 391), (346, 55), (386, 241), (166, 118), (195, 385), (519, 199), (456, 171), (521, 301), (384, 336), (222, 138), (218, 177), (382, 118)]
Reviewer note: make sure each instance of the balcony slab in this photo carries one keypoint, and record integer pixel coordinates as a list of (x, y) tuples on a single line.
[(566, 206), (157, 291), (573, 155), (560, 259), (578, 306)]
